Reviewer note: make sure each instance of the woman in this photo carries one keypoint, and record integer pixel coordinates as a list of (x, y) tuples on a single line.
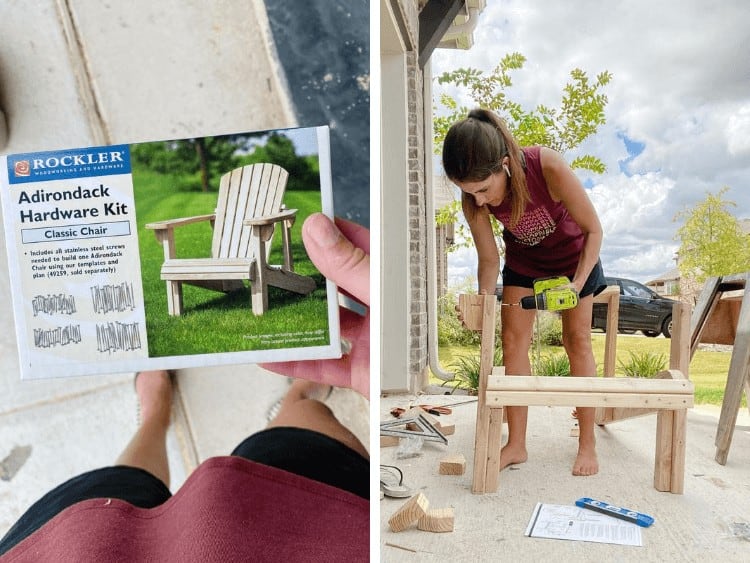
[(550, 229)]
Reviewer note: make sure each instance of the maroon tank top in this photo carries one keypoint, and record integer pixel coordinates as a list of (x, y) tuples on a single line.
[(546, 241)]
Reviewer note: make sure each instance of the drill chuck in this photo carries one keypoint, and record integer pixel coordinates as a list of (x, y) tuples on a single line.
[(533, 302)]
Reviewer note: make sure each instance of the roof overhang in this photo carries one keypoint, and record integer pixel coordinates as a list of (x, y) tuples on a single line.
[(447, 24)]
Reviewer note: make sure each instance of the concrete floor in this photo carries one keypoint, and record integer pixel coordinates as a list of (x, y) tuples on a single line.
[(710, 521)]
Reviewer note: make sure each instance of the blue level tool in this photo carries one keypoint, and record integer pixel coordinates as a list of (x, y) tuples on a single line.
[(626, 514)]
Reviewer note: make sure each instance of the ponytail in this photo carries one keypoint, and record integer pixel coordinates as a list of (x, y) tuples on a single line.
[(474, 148)]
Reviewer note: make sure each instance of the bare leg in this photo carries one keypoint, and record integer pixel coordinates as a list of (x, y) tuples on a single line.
[(302, 407), (577, 341), (517, 326), (147, 449)]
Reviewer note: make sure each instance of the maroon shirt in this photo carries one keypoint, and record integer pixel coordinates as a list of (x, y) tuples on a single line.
[(546, 241), (229, 509)]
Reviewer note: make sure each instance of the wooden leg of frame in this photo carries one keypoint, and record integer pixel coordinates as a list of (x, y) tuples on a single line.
[(478, 485), (494, 441), (679, 430), (663, 458)]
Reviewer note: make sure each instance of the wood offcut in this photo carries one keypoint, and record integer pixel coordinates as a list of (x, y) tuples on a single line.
[(409, 513)]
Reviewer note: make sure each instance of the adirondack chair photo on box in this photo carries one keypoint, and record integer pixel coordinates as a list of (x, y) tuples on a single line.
[(169, 254)]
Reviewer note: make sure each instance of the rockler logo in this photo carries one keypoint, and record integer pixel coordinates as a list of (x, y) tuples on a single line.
[(85, 159), (22, 168), (66, 164)]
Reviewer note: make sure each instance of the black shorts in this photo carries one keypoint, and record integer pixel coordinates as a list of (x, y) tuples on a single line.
[(594, 285), (297, 450)]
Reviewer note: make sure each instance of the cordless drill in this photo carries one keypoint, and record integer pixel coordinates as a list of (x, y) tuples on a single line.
[(551, 294)]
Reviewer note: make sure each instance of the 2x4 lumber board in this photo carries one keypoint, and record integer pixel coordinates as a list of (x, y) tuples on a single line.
[(484, 432), (471, 309), (487, 345), (409, 513), (679, 431), (481, 437), (494, 440), (663, 455), (590, 384), (679, 350), (589, 399), (606, 415), (478, 312), (610, 296), (738, 372), (437, 520)]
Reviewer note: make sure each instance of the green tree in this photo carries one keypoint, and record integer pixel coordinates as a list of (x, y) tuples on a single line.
[(579, 115), (202, 161), (279, 149), (206, 157), (712, 241)]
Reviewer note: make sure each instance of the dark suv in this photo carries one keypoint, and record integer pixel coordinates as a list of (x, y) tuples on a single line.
[(640, 309)]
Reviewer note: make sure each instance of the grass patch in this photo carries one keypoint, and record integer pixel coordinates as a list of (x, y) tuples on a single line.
[(708, 370), (211, 321), (643, 364)]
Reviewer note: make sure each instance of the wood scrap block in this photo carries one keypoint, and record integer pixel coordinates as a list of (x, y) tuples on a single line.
[(446, 428), (389, 441), (437, 520), (454, 464), (409, 513)]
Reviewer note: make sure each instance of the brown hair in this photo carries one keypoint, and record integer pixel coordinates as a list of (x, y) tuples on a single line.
[(474, 148)]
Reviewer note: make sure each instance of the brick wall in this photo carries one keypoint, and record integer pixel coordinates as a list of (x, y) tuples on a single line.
[(417, 221), (418, 359)]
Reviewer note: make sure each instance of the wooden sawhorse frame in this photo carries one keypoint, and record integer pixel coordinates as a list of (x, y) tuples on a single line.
[(670, 396)]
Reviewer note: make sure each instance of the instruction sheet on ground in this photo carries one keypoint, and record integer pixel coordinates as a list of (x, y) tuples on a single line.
[(562, 522)]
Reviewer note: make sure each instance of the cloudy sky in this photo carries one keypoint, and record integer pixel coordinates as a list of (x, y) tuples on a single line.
[(678, 117)]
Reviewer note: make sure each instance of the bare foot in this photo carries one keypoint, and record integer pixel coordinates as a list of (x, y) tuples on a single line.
[(304, 389), (154, 390), (586, 462), (512, 454)]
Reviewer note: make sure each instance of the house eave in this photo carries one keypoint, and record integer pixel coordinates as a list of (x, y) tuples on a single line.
[(447, 24)]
